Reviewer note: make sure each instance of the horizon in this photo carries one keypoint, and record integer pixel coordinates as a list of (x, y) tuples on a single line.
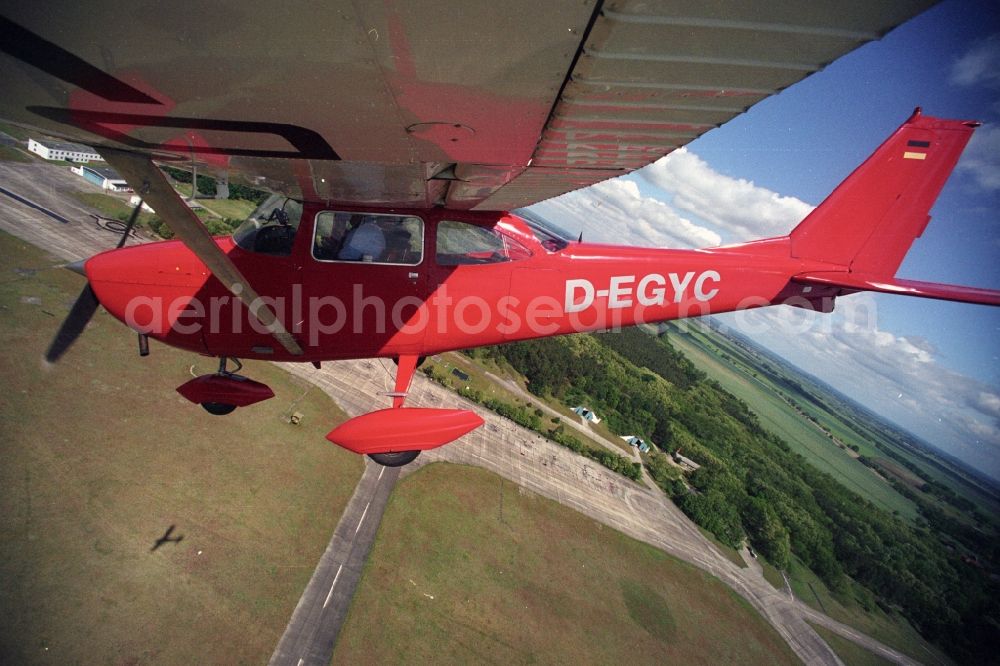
[(929, 367)]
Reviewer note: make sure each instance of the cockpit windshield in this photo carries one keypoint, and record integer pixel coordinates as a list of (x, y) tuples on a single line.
[(551, 236), (272, 227)]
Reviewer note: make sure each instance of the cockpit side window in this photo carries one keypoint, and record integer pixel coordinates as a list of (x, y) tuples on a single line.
[(271, 228), (368, 237), (461, 243)]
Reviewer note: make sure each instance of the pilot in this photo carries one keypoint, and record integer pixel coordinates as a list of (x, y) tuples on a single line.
[(366, 242)]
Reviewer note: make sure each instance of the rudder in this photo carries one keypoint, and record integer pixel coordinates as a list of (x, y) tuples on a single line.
[(869, 222)]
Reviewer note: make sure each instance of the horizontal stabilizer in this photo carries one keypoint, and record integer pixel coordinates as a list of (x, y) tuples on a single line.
[(861, 282)]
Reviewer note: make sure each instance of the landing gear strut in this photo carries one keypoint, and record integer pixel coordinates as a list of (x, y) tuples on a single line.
[(223, 408), (406, 366), (395, 437)]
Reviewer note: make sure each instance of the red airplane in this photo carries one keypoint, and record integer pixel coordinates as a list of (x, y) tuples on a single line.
[(403, 250)]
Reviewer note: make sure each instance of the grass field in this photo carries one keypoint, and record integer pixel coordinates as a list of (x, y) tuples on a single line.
[(771, 574), (849, 652), (477, 369), (13, 130), (802, 436), (468, 568), (100, 456), (731, 553), (478, 380), (234, 209), (11, 154)]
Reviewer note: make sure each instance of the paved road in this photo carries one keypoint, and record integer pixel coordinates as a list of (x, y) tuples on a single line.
[(312, 632), (47, 186), (500, 446)]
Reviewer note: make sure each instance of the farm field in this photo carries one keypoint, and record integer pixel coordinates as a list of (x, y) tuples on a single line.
[(802, 436)]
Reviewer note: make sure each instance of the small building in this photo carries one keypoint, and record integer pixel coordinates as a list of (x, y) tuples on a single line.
[(134, 201), (461, 375), (58, 150), (686, 464), (104, 177), (587, 414), (637, 442)]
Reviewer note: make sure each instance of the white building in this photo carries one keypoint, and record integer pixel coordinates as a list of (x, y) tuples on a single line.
[(134, 201), (104, 177), (637, 442), (587, 414), (57, 150), (684, 463)]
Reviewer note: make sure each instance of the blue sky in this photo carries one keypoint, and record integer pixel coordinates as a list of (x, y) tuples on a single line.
[(931, 366)]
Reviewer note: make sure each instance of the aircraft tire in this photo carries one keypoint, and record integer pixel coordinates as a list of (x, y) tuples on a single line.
[(218, 408), (395, 459)]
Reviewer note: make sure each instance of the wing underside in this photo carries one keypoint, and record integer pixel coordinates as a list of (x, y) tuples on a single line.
[(478, 105)]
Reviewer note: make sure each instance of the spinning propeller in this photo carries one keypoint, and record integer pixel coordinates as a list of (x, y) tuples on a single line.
[(85, 306)]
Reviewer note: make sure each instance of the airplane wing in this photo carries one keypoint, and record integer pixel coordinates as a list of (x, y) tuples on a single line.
[(479, 105)]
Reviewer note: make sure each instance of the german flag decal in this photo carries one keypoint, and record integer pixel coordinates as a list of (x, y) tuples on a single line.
[(913, 154)]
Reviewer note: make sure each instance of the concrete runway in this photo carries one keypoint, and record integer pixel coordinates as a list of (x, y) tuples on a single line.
[(315, 624), (500, 446)]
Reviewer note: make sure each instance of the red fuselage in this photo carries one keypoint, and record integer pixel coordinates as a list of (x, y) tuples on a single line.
[(357, 309)]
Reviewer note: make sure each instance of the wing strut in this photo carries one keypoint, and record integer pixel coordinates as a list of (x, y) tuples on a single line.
[(147, 180)]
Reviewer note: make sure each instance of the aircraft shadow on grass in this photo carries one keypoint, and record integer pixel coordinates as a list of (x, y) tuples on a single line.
[(166, 538)]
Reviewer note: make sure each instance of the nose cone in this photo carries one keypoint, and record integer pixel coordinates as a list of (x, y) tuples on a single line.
[(77, 267), (147, 286)]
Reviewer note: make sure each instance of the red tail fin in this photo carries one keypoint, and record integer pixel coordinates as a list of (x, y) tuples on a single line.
[(869, 222)]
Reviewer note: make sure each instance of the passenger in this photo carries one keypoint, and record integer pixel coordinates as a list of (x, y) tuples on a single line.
[(363, 243)]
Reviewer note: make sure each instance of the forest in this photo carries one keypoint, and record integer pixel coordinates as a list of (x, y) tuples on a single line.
[(752, 486)]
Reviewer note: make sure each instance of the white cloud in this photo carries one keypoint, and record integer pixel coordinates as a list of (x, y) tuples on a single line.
[(733, 204), (981, 158), (988, 403), (614, 211), (980, 65)]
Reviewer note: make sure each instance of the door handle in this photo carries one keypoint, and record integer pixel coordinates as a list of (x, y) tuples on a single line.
[(413, 276)]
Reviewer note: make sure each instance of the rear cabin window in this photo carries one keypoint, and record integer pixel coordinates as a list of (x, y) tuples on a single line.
[(368, 238), (460, 243)]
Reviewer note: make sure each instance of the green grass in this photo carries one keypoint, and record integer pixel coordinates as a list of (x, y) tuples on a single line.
[(111, 206), (893, 630), (476, 369), (469, 568), (849, 652), (802, 436), (445, 363), (771, 574), (18, 133), (731, 553), (11, 154), (101, 455), (235, 209)]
